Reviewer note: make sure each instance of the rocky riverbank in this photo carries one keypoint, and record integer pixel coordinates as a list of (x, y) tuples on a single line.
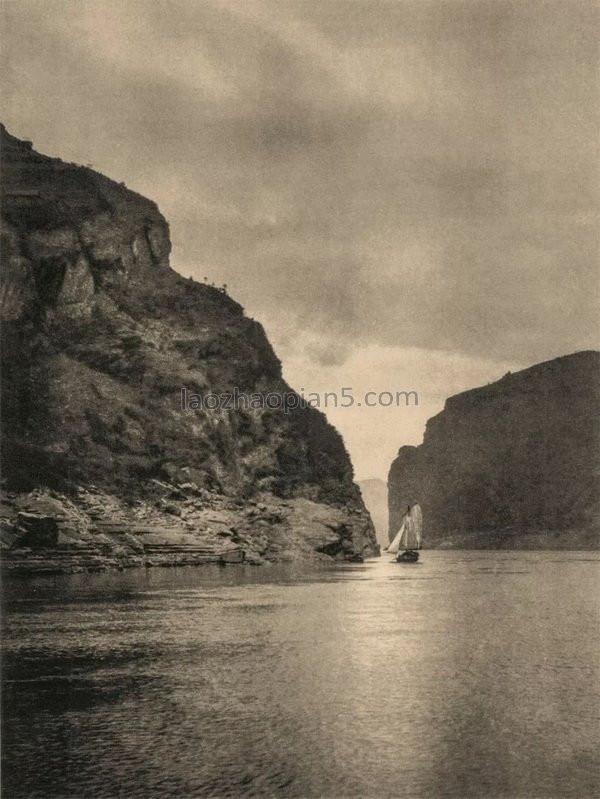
[(44, 531)]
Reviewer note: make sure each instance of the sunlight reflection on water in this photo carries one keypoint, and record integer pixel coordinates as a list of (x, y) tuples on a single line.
[(468, 674)]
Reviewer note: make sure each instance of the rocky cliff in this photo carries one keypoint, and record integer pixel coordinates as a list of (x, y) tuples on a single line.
[(101, 463), (512, 464)]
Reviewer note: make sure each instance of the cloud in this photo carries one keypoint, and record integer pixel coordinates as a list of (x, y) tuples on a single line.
[(400, 175), (374, 434)]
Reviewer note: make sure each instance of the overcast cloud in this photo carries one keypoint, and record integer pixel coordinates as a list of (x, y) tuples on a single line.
[(399, 191)]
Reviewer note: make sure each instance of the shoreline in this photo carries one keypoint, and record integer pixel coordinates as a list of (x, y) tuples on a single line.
[(52, 564)]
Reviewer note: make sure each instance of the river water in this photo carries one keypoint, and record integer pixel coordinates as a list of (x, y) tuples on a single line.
[(470, 674)]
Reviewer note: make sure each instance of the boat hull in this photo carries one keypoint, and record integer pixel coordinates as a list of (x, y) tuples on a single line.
[(410, 556)]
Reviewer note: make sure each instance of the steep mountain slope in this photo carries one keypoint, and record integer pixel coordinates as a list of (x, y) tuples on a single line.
[(513, 463), (100, 336)]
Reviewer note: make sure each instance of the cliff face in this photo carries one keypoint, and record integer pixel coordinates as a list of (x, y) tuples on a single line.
[(100, 336), (514, 463)]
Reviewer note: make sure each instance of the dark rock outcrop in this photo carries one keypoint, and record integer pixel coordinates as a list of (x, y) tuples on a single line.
[(99, 336), (512, 464)]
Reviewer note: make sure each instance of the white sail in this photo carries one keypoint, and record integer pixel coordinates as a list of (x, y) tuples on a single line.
[(410, 534), (417, 517), (408, 539), (394, 547)]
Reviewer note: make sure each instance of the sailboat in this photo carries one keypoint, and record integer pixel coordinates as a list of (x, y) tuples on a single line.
[(407, 541)]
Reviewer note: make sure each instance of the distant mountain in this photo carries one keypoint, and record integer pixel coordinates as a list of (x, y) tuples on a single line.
[(515, 463), (102, 465), (374, 492)]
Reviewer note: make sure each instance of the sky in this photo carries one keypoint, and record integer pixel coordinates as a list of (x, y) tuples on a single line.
[(403, 192)]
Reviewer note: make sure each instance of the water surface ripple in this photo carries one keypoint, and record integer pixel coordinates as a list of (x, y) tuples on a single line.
[(471, 674)]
